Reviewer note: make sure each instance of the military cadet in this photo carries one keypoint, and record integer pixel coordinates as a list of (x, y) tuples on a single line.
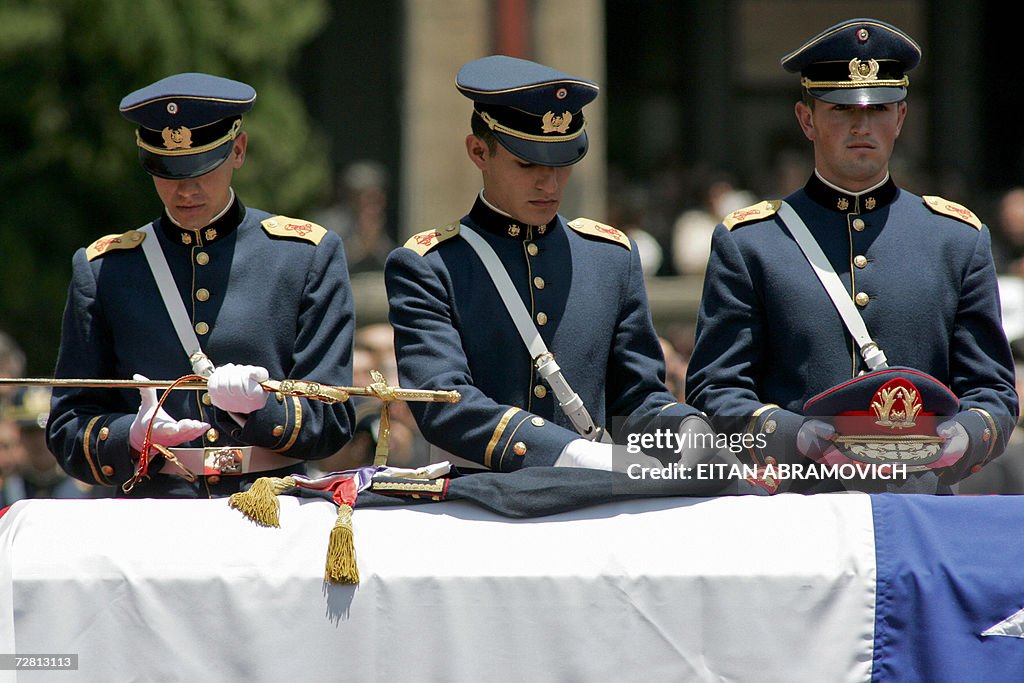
[(916, 271), (209, 283), (487, 304)]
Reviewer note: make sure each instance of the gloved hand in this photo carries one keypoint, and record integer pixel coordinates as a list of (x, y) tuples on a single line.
[(236, 388), (698, 444), (166, 430), (956, 444), (814, 440), (602, 456)]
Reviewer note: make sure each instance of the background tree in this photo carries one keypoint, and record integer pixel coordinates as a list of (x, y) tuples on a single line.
[(69, 172)]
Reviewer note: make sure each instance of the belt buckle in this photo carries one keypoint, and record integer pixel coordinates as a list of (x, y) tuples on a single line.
[(222, 460)]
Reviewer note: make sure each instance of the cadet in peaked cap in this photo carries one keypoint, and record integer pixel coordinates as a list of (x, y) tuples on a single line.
[(771, 347), (580, 281), (861, 61), (141, 302)]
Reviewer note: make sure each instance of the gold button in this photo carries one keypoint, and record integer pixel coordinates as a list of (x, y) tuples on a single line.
[(542, 318), (207, 401), (212, 436), (202, 258), (519, 448), (540, 391), (107, 471), (104, 433), (278, 430), (858, 224), (537, 421), (203, 294), (862, 299), (770, 426), (532, 249), (538, 282), (860, 260), (202, 328), (213, 480)]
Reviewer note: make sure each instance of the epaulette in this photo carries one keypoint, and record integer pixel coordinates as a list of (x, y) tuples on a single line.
[(126, 240), (953, 210), (751, 213), (585, 226), (283, 226), (422, 242)]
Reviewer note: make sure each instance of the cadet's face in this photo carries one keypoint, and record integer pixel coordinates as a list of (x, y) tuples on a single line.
[(194, 202), (528, 192), (852, 143)]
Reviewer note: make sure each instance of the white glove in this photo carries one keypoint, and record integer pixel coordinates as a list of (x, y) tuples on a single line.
[(236, 388), (166, 430), (601, 456), (814, 440), (956, 444)]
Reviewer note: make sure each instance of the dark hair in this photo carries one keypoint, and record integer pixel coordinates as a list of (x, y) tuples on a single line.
[(483, 131), (807, 98)]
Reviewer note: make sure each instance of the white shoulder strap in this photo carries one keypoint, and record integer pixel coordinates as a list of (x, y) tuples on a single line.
[(869, 350), (201, 365), (568, 400)]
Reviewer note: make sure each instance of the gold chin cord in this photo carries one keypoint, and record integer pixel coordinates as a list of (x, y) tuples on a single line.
[(314, 391)]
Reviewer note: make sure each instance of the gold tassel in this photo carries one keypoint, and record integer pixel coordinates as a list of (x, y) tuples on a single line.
[(341, 550), (260, 502)]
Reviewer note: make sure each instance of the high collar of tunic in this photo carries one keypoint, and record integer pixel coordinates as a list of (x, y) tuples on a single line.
[(499, 223), (218, 229), (836, 199)]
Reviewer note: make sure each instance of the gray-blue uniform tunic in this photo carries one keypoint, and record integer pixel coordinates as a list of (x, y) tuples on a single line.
[(920, 271), (261, 290), (582, 284)]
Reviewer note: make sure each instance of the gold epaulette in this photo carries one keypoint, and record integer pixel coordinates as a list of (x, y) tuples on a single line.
[(585, 226), (751, 213), (126, 240), (296, 228), (422, 242), (953, 210)]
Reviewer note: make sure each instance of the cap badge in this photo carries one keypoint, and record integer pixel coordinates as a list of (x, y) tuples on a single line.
[(551, 123), (177, 138), (172, 108), (863, 71), (896, 404), (561, 93), (863, 35)]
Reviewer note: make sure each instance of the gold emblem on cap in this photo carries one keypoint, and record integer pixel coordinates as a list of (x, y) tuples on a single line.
[(884, 407), (552, 123), (177, 138), (863, 71)]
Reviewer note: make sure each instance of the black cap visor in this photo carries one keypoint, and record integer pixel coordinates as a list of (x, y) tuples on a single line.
[(564, 153), (183, 166), (855, 96)]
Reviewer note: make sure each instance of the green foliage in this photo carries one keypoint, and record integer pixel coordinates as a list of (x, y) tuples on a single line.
[(70, 173)]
